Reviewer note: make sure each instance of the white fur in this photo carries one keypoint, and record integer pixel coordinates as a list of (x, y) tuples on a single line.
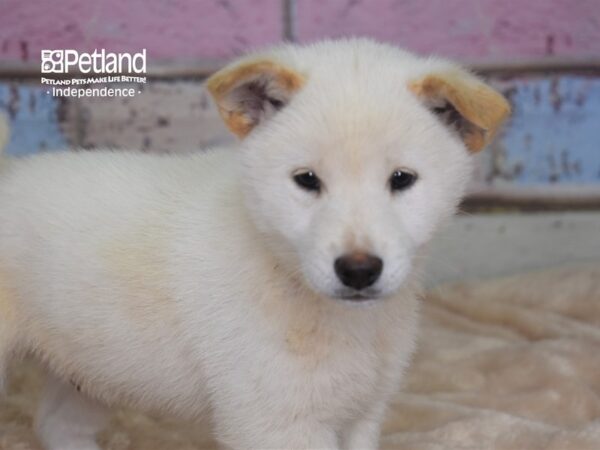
[(204, 284)]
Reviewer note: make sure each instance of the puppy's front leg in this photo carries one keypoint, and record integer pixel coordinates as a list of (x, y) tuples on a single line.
[(364, 433), (264, 433), (67, 420)]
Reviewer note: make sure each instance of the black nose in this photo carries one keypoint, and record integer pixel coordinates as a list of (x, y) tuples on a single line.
[(358, 270)]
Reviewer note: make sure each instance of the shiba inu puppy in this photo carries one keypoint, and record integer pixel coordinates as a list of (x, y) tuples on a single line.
[(272, 286)]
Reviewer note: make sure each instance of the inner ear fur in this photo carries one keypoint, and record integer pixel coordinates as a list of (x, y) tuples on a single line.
[(249, 93), (476, 110)]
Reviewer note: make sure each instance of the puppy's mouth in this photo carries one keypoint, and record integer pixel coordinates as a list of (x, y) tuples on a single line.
[(352, 295)]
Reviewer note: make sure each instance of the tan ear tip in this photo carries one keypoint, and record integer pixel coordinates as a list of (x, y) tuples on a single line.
[(509, 109), (505, 106), (504, 111), (495, 109), (213, 85)]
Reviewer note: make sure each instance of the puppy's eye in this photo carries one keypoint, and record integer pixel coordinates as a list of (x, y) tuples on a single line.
[(441, 109), (401, 180), (308, 180)]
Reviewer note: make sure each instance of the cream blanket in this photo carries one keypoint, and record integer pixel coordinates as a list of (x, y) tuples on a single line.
[(504, 364)]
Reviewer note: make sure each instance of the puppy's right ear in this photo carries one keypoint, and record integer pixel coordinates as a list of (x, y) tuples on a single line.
[(251, 92)]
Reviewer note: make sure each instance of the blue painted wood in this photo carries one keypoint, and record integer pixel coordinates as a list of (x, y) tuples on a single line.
[(33, 119), (554, 134)]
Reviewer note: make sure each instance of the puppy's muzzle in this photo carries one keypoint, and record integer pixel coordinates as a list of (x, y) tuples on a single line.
[(358, 270)]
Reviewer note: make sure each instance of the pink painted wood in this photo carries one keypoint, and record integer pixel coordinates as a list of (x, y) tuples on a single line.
[(185, 30), (469, 29), (169, 29)]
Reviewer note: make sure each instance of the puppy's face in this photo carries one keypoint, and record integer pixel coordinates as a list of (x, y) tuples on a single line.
[(348, 168)]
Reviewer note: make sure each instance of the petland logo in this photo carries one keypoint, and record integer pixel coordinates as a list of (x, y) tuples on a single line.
[(99, 62), (104, 69)]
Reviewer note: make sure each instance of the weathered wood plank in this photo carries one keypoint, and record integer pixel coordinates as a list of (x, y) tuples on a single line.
[(36, 119), (170, 30), (553, 136), (474, 29)]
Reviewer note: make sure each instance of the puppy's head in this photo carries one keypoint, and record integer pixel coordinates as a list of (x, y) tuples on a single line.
[(352, 153)]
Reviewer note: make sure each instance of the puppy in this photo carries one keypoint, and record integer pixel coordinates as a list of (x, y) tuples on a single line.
[(272, 286)]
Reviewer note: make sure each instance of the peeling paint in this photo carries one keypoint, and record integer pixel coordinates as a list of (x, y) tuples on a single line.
[(33, 119), (554, 134), (496, 29), (169, 29)]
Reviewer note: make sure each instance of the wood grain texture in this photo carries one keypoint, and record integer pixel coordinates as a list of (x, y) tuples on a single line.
[(170, 30), (189, 30), (490, 29)]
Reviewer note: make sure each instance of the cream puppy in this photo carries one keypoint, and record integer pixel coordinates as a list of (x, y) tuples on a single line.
[(272, 286)]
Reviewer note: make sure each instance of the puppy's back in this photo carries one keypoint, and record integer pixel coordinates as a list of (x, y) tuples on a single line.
[(85, 240)]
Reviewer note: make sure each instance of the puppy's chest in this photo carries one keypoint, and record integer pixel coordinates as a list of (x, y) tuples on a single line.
[(338, 369)]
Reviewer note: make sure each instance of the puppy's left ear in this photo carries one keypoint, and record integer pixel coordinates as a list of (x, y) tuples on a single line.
[(463, 102), (251, 92)]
